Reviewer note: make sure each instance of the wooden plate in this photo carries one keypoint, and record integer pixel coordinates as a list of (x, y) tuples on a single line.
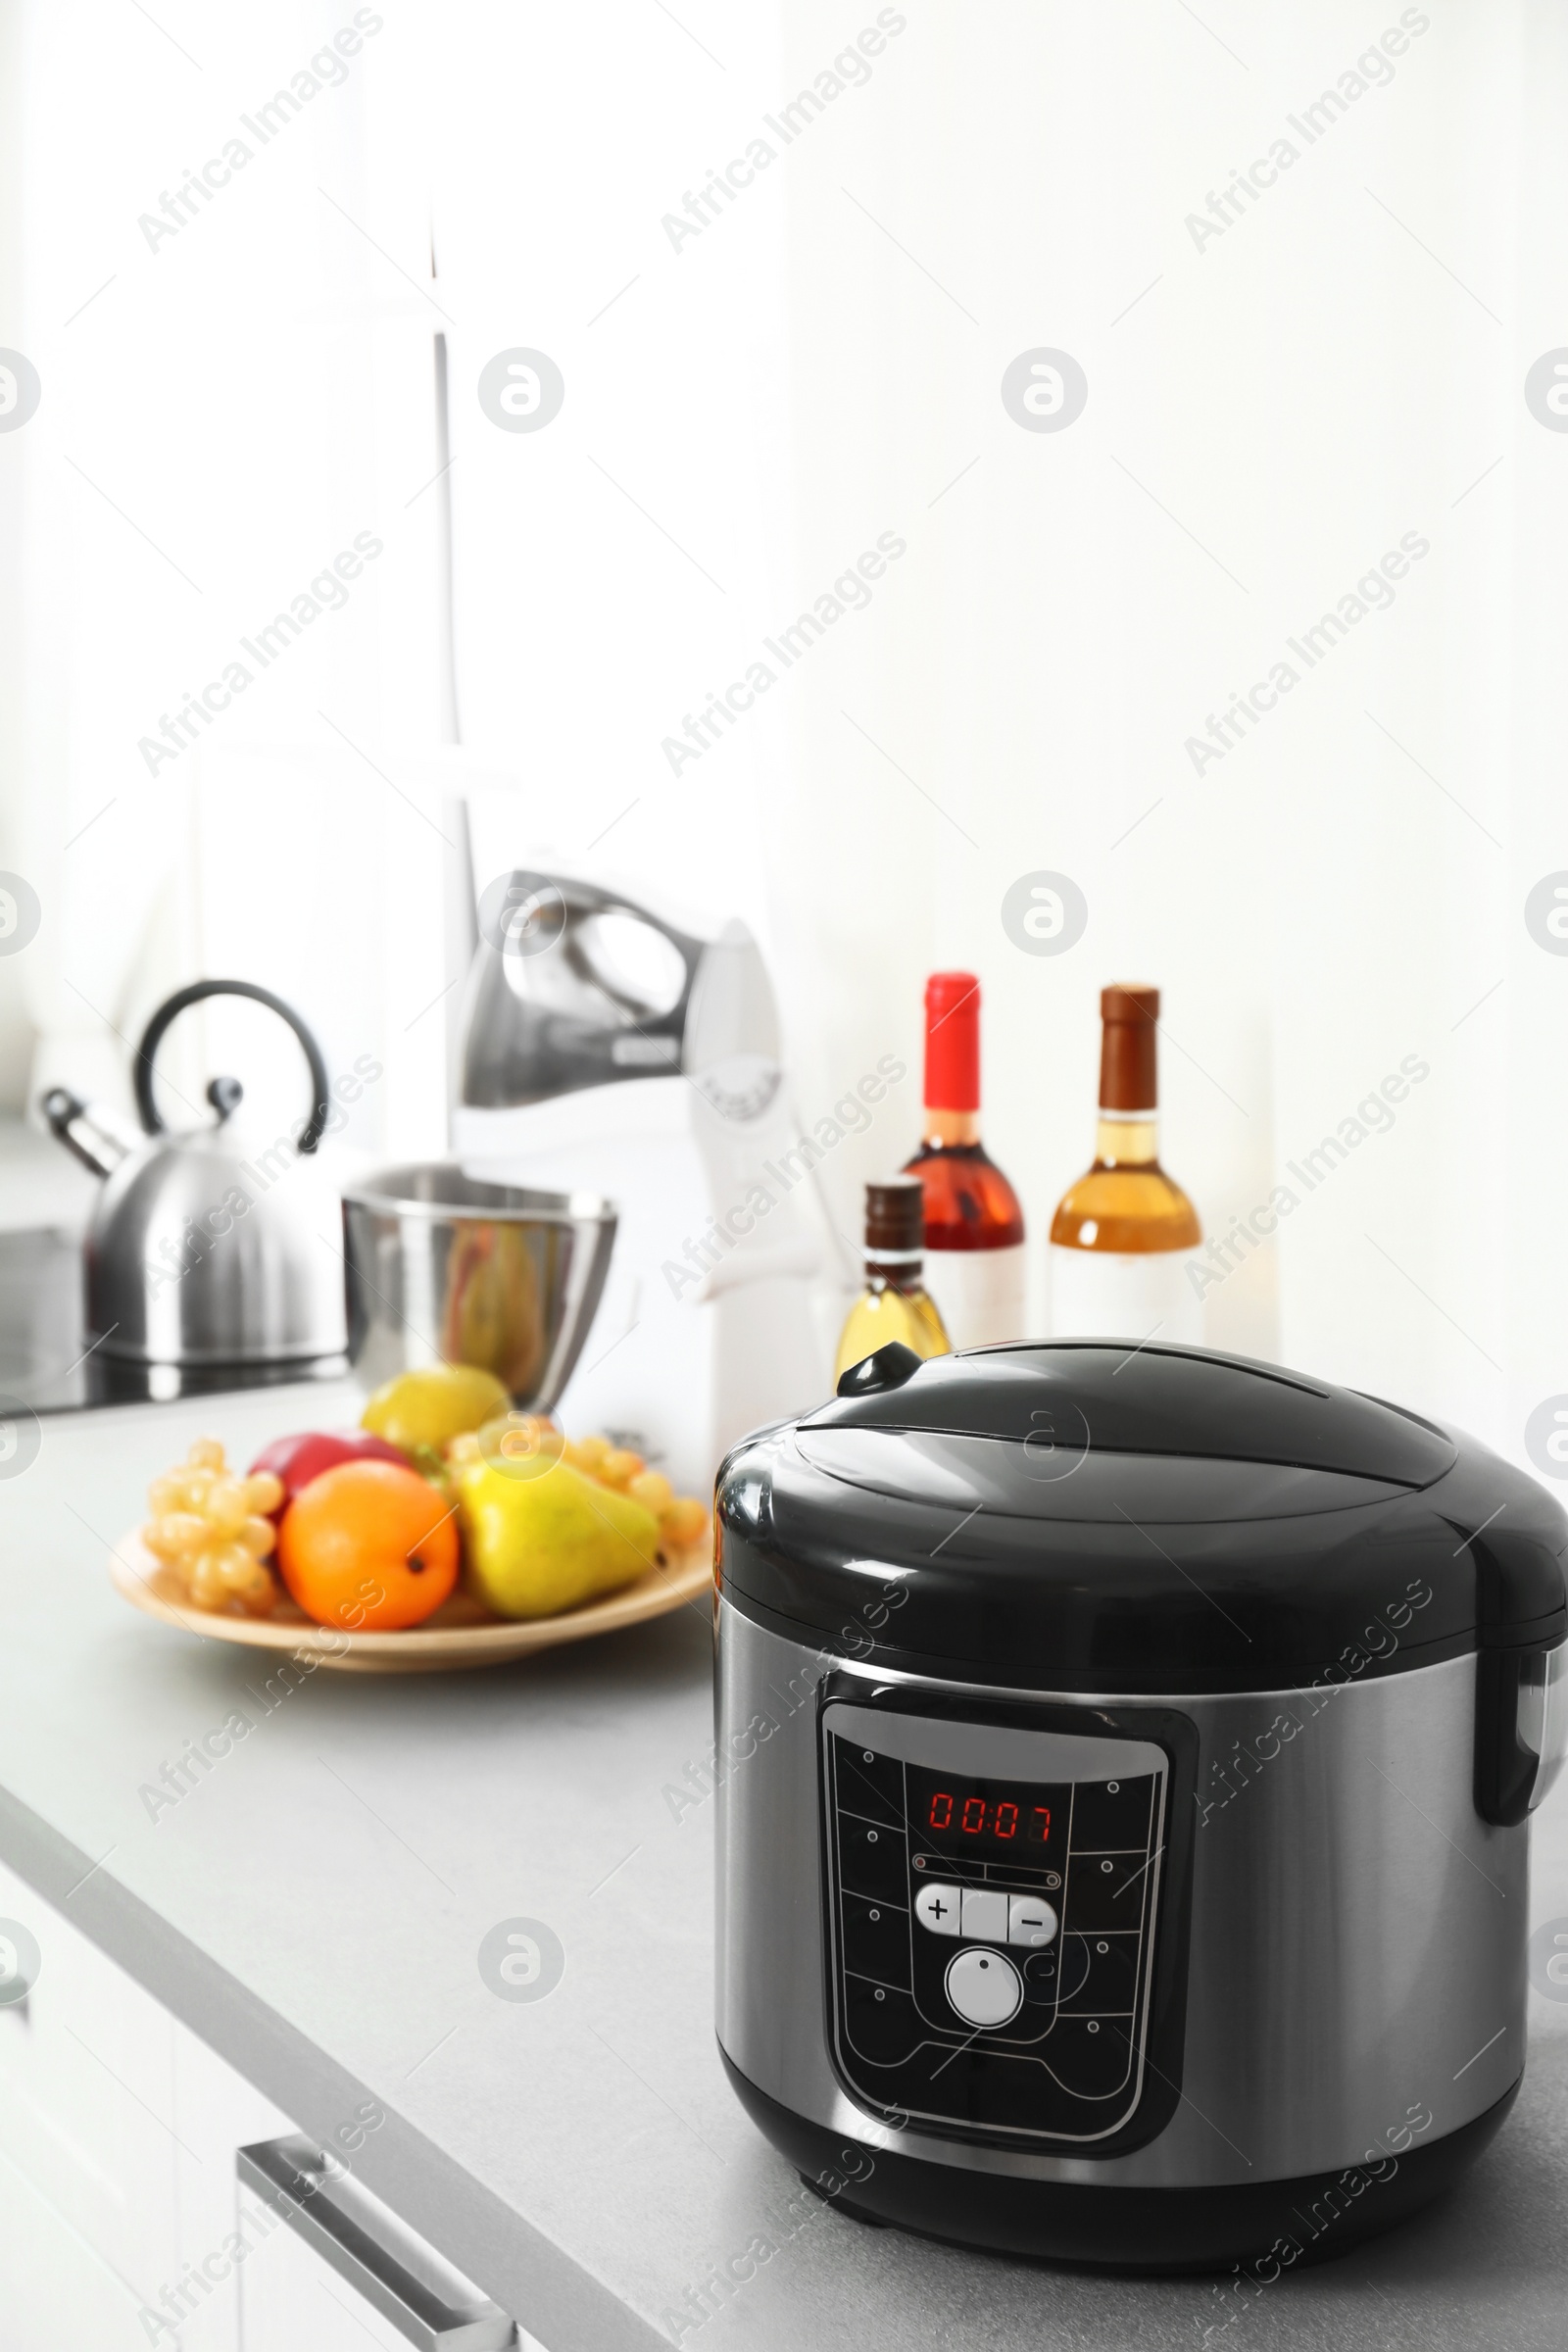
[(461, 1633)]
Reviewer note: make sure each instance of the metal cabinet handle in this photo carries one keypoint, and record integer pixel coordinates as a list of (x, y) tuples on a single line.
[(397, 2274)]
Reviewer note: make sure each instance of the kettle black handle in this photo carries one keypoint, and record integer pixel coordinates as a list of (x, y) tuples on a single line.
[(153, 1038)]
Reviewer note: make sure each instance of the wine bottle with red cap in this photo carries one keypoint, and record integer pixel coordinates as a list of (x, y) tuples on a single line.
[(974, 1238), (1122, 1236)]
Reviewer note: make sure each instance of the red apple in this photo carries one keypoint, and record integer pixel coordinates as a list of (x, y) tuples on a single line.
[(297, 1460)]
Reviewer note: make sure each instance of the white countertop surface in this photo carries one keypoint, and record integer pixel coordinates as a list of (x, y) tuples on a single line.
[(314, 1909)]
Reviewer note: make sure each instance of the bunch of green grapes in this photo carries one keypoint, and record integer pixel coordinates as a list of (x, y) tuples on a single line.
[(682, 1519), (210, 1526)]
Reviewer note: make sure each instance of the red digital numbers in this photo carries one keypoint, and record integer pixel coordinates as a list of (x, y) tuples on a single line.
[(978, 1817)]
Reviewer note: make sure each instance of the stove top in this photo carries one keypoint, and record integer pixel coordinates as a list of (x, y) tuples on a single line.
[(48, 1365)]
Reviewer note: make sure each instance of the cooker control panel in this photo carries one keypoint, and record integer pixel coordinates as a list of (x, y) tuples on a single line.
[(993, 1896)]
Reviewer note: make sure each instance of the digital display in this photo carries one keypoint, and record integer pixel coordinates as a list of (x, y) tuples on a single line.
[(984, 1817), (997, 1820)]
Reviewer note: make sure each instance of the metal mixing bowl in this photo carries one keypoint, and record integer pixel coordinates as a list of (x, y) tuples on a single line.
[(443, 1268)]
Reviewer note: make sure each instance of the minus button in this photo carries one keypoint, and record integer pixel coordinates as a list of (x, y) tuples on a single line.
[(1030, 1922)]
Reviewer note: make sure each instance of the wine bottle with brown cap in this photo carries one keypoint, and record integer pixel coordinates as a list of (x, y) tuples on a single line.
[(895, 1304), (1122, 1236)]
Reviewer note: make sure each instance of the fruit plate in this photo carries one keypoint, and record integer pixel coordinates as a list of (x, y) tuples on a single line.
[(461, 1633)]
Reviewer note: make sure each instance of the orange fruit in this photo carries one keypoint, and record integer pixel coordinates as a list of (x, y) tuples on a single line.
[(369, 1546)]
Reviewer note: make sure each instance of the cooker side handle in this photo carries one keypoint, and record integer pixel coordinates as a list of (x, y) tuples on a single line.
[(1522, 1669), (1521, 1727)]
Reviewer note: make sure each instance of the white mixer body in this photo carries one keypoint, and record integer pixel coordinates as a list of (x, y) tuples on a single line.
[(718, 1311)]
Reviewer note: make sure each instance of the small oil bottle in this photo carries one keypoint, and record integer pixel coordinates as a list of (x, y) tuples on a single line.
[(895, 1304)]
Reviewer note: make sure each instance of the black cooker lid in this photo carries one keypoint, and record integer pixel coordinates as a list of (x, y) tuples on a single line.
[(1078, 1515)]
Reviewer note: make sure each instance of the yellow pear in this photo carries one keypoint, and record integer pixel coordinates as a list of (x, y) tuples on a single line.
[(428, 1406), (542, 1538)]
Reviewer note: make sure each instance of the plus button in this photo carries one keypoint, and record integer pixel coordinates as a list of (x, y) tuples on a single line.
[(937, 1909)]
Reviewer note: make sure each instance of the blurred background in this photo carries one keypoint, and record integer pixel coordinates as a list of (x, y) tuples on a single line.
[(1294, 365)]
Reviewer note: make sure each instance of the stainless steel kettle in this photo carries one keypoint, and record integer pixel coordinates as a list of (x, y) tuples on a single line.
[(207, 1247)]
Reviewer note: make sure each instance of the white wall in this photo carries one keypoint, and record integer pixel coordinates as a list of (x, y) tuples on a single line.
[(226, 409), (1287, 400)]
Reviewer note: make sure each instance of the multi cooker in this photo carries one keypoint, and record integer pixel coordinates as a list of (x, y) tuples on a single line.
[(1125, 1761)]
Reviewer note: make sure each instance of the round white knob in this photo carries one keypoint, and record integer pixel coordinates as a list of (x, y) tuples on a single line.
[(984, 1988)]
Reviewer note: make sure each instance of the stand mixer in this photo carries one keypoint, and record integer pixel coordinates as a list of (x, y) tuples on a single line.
[(602, 1048)]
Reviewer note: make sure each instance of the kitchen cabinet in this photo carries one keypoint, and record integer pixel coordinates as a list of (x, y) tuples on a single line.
[(118, 2128), (87, 2142), (122, 2205), (56, 2291), (86, 2102), (291, 2298)]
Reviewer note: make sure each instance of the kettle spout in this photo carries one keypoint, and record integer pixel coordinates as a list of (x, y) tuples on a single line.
[(89, 1134)]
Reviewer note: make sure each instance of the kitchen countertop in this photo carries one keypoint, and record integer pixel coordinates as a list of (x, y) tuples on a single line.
[(314, 1909)]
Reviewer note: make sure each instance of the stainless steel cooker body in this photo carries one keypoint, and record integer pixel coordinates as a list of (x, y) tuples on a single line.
[(1125, 1761), (1326, 1968)]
